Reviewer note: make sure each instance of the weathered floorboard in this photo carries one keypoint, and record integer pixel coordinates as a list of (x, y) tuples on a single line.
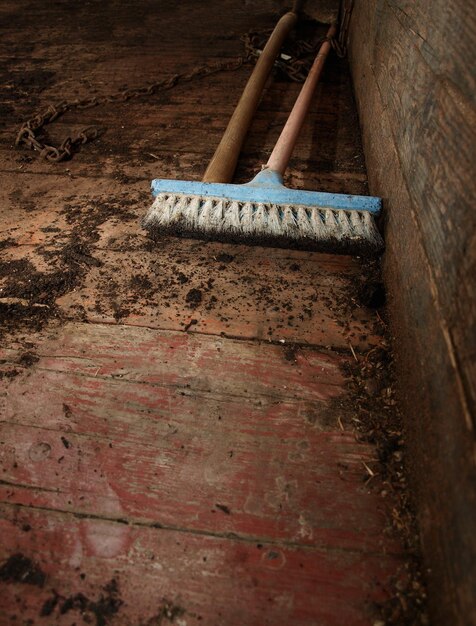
[(199, 362), (311, 488), (159, 573)]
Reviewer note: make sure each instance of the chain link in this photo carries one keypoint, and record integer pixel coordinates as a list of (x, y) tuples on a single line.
[(28, 135), (295, 59), (294, 62)]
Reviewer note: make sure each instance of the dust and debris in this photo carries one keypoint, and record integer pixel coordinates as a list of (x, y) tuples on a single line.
[(290, 351), (32, 294), (371, 408), (49, 605), (194, 297), (105, 608), (27, 359), (224, 257), (18, 568), (66, 443), (101, 610), (7, 243), (191, 323), (224, 508), (181, 278), (168, 612)]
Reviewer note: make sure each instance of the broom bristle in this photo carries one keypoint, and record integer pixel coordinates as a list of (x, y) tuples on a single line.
[(279, 224)]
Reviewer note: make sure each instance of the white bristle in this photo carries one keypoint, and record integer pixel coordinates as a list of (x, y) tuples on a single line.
[(204, 215), (297, 222), (317, 223), (246, 218), (274, 221), (260, 220), (218, 214), (231, 217), (332, 224), (370, 229), (180, 206), (355, 220), (190, 210), (344, 223), (289, 221), (165, 208), (303, 222)]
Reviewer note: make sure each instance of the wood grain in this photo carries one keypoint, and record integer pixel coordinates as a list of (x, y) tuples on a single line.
[(203, 481), (194, 361), (154, 569), (408, 72)]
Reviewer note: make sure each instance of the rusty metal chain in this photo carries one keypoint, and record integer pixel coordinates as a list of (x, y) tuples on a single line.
[(294, 65), (28, 135), (295, 59)]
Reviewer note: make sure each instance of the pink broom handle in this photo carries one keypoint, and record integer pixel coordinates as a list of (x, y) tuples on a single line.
[(279, 159)]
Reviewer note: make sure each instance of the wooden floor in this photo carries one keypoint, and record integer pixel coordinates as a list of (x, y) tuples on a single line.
[(177, 439)]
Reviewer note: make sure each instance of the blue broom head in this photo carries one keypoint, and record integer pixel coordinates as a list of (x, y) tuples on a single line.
[(265, 212)]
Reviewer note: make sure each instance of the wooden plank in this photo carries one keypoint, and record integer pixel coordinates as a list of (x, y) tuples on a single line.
[(194, 361), (155, 137), (319, 146), (198, 580), (147, 24), (240, 291), (445, 132), (441, 451), (146, 162), (222, 87), (311, 489), (247, 299), (144, 412), (243, 299), (194, 421)]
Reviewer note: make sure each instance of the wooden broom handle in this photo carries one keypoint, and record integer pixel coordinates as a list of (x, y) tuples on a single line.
[(279, 159), (223, 164)]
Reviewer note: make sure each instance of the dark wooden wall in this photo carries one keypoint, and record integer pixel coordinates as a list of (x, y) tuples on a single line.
[(414, 74)]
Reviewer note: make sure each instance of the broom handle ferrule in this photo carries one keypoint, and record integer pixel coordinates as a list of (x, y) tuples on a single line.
[(279, 159), (223, 164)]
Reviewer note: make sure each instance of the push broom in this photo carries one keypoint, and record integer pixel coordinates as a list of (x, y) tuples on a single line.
[(264, 211)]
